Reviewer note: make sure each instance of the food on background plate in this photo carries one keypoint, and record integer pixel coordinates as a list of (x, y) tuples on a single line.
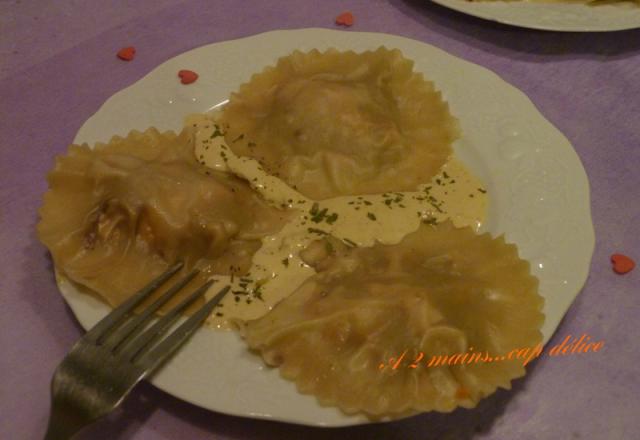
[(118, 215), (342, 123), (440, 291)]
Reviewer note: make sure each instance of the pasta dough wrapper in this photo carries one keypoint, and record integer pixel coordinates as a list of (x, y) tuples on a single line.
[(442, 291), (118, 215), (342, 123)]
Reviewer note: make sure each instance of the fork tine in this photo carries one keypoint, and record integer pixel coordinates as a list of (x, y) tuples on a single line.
[(137, 346), (120, 336), (102, 328), (171, 343), (92, 380)]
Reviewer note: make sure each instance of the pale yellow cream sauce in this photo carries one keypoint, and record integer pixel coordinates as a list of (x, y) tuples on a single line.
[(358, 220)]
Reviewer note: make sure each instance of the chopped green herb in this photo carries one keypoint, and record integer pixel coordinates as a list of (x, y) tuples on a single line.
[(257, 292), (216, 132), (317, 216), (332, 218), (436, 206), (430, 221), (329, 247), (371, 216)]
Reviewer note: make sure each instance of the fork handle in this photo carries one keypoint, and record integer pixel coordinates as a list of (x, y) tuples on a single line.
[(63, 425)]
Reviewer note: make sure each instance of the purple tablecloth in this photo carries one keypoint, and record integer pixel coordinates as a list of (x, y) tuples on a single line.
[(58, 65)]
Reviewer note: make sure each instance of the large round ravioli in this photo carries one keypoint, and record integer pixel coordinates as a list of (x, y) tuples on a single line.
[(118, 215), (439, 294), (342, 123)]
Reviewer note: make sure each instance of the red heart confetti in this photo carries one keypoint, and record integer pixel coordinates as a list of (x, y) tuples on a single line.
[(187, 76), (345, 19), (622, 264), (127, 53)]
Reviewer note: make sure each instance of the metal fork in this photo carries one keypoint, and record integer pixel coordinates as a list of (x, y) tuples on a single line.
[(117, 353)]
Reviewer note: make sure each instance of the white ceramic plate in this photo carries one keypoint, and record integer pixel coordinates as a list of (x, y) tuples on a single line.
[(538, 190), (566, 17)]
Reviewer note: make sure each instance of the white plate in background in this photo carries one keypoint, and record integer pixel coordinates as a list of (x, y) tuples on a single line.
[(565, 17)]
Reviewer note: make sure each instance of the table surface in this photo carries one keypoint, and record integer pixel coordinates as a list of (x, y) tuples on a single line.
[(57, 67)]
